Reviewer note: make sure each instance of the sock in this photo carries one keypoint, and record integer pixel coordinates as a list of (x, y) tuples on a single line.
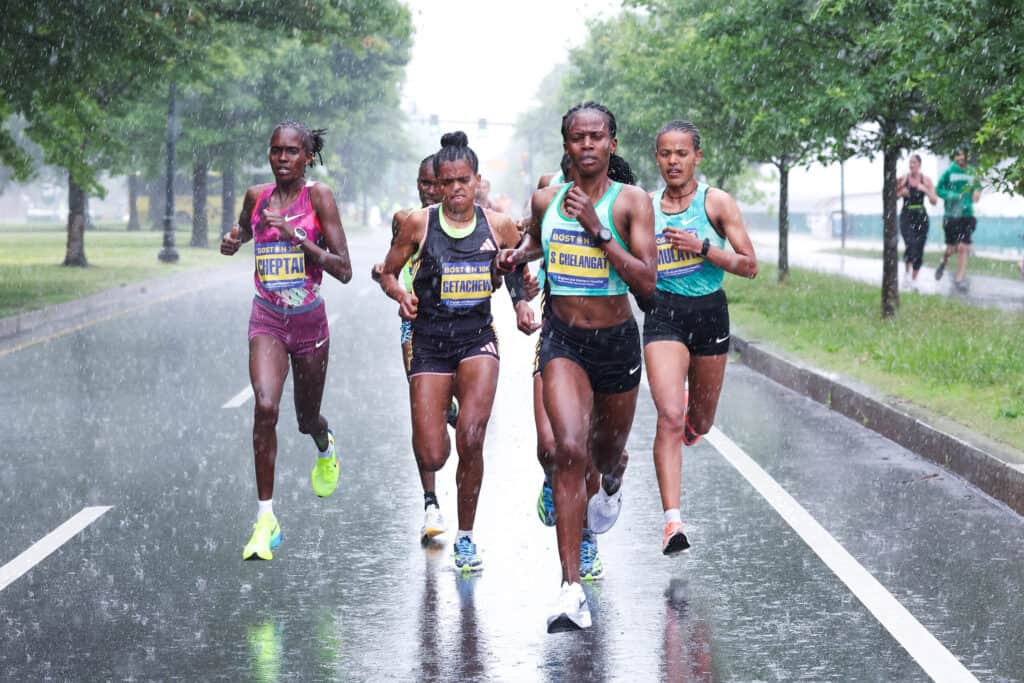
[(547, 479), (429, 499), (673, 516), (464, 534), (265, 506)]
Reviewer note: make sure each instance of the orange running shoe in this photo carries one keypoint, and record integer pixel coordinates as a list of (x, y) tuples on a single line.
[(674, 540)]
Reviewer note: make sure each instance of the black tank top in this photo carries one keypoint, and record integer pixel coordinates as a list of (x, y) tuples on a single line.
[(914, 201), (453, 279)]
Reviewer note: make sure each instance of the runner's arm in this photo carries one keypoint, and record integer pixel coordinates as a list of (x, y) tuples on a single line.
[(637, 266), (726, 217), (335, 259)]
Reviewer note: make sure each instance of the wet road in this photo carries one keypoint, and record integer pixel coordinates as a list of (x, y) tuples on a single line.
[(130, 413)]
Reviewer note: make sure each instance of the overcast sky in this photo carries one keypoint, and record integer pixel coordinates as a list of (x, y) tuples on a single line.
[(486, 58)]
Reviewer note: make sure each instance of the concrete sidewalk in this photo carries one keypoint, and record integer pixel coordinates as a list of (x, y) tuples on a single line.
[(814, 253)]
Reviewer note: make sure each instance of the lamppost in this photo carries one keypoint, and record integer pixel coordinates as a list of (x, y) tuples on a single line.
[(169, 254)]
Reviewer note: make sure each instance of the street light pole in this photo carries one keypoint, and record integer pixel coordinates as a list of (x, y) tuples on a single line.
[(169, 254), (842, 202)]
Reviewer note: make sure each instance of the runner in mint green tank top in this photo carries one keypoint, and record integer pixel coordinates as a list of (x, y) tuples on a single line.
[(598, 241), (686, 272), (686, 327)]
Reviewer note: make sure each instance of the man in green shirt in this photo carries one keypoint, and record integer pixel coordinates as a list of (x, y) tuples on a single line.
[(959, 187)]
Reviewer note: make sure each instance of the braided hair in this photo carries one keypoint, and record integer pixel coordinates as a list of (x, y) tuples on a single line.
[(618, 168), (312, 140), (455, 147)]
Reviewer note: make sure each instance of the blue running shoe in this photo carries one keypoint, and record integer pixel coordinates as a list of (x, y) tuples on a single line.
[(591, 567), (546, 504), (466, 558)]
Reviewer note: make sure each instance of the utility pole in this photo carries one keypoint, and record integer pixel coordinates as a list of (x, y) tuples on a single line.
[(169, 254), (842, 203)]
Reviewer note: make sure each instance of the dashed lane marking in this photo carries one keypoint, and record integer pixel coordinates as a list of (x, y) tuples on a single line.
[(45, 546)]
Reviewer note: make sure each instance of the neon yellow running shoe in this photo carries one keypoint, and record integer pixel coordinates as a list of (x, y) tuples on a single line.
[(325, 471), (266, 535)]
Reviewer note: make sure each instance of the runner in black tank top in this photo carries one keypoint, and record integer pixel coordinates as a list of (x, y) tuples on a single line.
[(454, 350), (914, 187)]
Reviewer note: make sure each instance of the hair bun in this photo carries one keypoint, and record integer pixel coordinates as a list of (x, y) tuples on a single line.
[(456, 139)]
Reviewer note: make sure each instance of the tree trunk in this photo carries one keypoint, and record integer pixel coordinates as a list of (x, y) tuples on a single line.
[(890, 234), (227, 198), (74, 255), (783, 167), (156, 204), (200, 224), (133, 202)]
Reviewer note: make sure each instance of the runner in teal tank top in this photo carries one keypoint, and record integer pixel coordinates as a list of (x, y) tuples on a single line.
[(686, 327), (590, 352)]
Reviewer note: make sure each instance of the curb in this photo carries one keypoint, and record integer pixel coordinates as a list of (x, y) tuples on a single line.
[(66, 314), (994, 475)]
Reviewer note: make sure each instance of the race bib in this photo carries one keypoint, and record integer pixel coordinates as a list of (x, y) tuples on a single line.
[(675, 263), (575, 261), (280, 265), (465, 284)]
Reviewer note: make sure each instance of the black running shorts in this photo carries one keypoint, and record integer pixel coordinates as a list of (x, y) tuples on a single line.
[(610, 356), (699, 322)]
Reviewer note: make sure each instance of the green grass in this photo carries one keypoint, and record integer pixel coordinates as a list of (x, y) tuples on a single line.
[(964, 363), (31, 276), (976, 265)]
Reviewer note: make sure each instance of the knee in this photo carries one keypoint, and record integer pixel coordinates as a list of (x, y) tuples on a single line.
[(431, 460), (570, 454), (700, 424), (672, 422), (266, 411), (469, 434)]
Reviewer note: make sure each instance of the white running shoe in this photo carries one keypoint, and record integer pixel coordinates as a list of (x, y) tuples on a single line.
[(572, 612), (433, 523), (603, 510)]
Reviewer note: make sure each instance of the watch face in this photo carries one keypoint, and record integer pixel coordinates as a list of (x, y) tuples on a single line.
[(605, 235), (300, 234)]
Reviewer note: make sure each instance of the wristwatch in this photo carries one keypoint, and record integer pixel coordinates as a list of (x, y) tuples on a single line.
[(300, 236), (603, 235), (704, 247)]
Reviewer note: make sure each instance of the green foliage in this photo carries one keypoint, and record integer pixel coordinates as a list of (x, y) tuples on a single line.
[(957, 360)]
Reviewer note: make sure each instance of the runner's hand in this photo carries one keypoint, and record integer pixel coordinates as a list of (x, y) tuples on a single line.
[(683, 240), (231, 242), (524, 318), (531, 285), (275, 219), (505, 261), (376, 271), (579, 206), (408, 306)]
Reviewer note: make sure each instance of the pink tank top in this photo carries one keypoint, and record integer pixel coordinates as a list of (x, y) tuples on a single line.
[(284, 276)]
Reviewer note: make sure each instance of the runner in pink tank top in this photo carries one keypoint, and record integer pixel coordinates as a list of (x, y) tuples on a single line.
[(297, 235)]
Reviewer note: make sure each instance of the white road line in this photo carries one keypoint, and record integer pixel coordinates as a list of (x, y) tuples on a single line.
[(238, 399), (926, 650), (42, 548), (243, 396)]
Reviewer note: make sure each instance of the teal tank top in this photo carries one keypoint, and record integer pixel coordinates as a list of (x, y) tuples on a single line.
[(683, 272), (575, 264)]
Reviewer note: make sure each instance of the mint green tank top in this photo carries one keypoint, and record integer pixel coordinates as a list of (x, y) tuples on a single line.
[(575, 264), (683, 272)]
